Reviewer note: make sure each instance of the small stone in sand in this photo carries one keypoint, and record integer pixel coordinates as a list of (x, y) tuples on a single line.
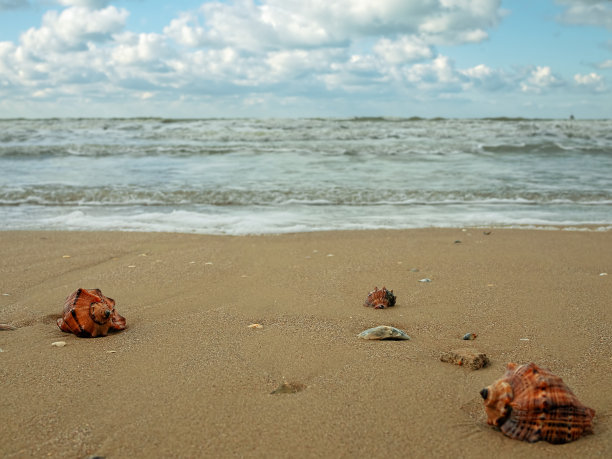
[(7, 327), (131, 266), (6, 294), (288, 388), (111, 352), (469, 358), (383, 332), (59, 343), (425, 280), (470, 336), (65, 256), (603, 274), (256, 326)]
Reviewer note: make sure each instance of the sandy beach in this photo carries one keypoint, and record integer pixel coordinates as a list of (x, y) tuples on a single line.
[(189, 378)]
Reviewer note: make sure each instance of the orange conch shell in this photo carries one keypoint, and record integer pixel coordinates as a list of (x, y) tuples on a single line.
[(89, 313), (532, 404), (380, 299)]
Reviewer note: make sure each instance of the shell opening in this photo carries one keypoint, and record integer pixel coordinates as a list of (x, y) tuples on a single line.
[(484, 393)]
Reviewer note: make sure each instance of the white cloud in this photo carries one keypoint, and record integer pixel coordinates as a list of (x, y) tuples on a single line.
[(73, 28), (405, 48), (482, 76), (540, 79), (587, 12), (313, 23), (133, 48), (186, 30), (269, 51), (592, 81), (438, 70)]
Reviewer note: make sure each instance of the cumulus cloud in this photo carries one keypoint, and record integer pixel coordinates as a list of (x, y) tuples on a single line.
[(540, 79), (591, 81), (73, 28), (308, 23), (404, 49), (482, 76), (266, 49), (587, 12)]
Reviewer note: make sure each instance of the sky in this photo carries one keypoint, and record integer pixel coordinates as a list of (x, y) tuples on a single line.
[(306, 58)]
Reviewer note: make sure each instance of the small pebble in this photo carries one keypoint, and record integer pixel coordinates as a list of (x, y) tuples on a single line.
[(457, 241), (330, 254), (414, 270), (256, 326), (288, 388), (425, 280), (6, 294), (59, 343), (523, 339), (470, 336), (208, 263), (111, 352), (7, 327), (603, 274), (131, 266), (1, 350), (486, 233), (65, 256)]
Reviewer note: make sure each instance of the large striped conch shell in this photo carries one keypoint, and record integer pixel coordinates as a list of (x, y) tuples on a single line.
[(88, 313), (532, 404)]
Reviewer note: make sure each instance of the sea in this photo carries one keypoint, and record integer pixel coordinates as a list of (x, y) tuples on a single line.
[(269, 176)]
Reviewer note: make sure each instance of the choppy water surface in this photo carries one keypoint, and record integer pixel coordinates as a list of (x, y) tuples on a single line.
[(248, 176)]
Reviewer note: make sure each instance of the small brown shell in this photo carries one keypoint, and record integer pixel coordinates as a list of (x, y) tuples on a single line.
[(532, 404), (380, 299), (88, 313)]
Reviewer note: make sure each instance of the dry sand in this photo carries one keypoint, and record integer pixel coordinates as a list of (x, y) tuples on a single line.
[(189, 378)]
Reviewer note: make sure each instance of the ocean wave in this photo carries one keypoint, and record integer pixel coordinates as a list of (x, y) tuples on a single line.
[(62, 195)]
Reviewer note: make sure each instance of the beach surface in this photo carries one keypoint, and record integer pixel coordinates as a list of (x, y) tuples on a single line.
[(190, 378)]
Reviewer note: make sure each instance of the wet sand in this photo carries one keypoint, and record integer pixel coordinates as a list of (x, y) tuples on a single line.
[(189, 378)]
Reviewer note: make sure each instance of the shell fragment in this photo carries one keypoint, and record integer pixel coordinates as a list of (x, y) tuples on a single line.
[(384, 332)]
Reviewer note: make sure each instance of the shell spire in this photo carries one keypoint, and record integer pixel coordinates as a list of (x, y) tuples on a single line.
[(532, 404), (89, 313)]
